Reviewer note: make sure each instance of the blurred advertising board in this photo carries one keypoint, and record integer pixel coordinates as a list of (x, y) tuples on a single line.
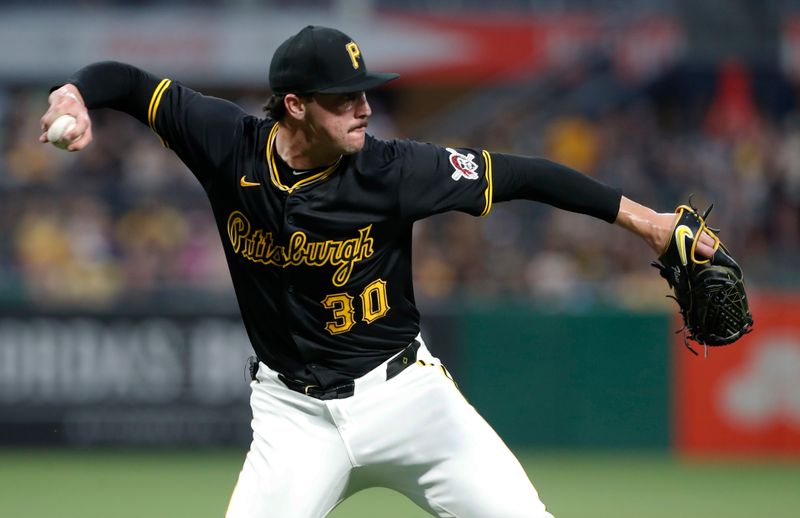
[(121, 379), (134, 379), (744, 398)]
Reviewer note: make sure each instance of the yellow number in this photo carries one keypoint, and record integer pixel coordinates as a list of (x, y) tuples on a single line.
[(374, 301), (374, 305), (343, 312)]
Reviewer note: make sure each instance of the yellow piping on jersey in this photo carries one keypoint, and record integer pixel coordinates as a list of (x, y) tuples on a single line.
[(273, 167), (487, 194), (155, 100)]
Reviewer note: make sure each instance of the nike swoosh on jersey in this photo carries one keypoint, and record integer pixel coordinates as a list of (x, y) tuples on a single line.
[(682, 231), (244, 183)]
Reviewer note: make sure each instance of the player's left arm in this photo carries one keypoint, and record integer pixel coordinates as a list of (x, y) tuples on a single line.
[(539, 179), (435, 179)]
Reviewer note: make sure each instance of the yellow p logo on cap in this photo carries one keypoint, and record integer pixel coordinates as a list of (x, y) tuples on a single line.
[(354, 52)]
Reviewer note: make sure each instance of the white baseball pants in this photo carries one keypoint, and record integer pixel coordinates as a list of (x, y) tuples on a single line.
[(414, 433)]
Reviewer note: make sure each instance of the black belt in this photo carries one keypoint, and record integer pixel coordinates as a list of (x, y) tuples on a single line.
[(396, 365)]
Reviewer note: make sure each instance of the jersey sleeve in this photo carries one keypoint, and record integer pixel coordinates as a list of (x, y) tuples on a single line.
[(437, 179), (199, 129), (533, 178)]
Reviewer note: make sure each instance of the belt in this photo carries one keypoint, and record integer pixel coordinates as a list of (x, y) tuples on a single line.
[(395, 366)]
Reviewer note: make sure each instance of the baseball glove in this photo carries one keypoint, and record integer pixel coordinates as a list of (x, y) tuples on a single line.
[(710, 292)]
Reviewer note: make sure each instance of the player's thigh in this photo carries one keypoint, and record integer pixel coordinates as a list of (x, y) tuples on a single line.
[(296, 467), (483, 480), (471, 472)]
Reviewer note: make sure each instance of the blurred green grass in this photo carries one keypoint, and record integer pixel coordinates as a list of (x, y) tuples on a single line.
[(92, 483)]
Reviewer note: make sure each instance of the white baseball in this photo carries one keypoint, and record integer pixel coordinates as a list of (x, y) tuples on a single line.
[(57, 130)]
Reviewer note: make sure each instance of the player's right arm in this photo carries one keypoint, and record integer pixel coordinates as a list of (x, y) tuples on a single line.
[(67, 100), (199, 128)]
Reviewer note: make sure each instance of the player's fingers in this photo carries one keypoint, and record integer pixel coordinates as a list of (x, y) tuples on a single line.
[(55, 111), (80, 134), (83, 123), (706, 245), (707, 239), (76, 131), (47, 119), (81, 142), (704, 250)]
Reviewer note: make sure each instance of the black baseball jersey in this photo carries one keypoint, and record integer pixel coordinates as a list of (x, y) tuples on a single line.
[(320, 262)]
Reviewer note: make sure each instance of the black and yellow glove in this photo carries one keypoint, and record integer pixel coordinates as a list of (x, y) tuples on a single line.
[(710, 292)]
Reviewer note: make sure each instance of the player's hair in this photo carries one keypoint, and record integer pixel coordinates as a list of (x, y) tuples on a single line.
[(274, 107)]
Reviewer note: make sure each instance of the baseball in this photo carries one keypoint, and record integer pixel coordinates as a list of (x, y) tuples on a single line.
[(57, 130)]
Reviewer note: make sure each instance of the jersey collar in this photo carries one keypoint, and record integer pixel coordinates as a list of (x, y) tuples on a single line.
[(273, 167)]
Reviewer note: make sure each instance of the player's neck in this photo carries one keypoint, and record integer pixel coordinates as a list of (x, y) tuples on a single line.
[(297, 148)]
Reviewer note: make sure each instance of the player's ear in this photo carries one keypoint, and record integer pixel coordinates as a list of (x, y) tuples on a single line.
[(295, 106)]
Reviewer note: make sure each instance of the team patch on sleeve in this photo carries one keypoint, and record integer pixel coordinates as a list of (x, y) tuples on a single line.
[(464, 166)]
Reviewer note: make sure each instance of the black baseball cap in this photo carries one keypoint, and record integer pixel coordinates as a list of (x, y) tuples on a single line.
[(321, 60)]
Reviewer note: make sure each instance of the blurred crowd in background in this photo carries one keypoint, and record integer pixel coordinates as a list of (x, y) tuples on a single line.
[(124, 223)]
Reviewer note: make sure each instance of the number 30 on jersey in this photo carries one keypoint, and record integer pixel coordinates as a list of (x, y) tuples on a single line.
[(372, 300)]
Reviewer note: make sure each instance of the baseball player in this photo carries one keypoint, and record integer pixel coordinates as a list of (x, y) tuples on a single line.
[(315, 217)]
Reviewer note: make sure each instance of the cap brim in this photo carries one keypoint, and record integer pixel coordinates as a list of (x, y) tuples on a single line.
[(359, 84)]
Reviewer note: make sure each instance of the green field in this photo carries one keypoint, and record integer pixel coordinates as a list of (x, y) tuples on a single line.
[(196, 484)]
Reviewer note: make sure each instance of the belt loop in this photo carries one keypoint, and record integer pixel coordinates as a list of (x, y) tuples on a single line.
[(402, 360)]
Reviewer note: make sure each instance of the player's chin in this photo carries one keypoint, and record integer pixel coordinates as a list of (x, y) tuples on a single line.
[(355, 141)]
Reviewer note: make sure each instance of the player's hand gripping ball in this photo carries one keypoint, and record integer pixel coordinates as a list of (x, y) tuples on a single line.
[(57, 131), (710, 293)]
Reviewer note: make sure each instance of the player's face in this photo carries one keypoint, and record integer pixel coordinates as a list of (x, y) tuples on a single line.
[(340, 120)]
